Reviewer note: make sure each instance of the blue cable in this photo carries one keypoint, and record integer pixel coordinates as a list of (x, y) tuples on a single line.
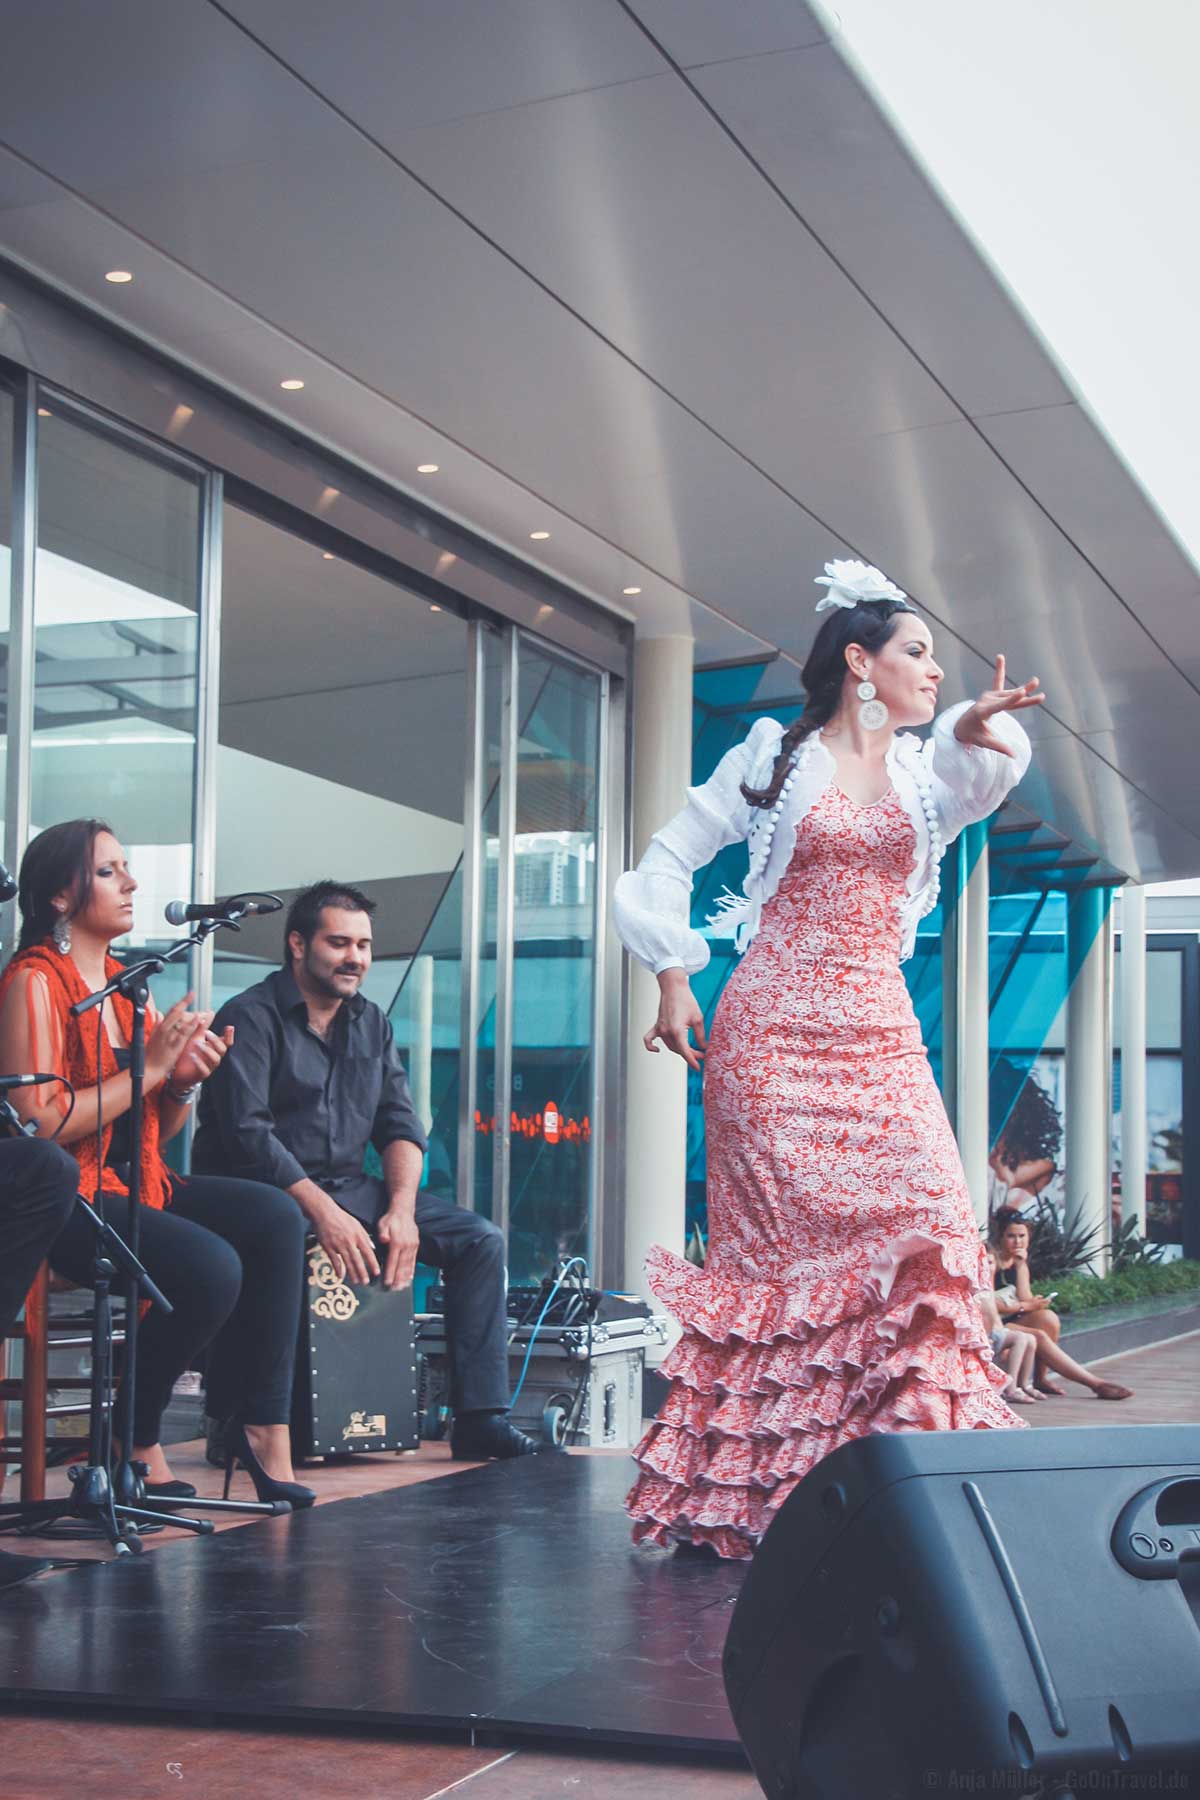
[(562, 1276)]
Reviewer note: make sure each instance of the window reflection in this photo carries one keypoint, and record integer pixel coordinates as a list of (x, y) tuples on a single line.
[(117, 629), (341, 754), (554, 941), (6, 439)]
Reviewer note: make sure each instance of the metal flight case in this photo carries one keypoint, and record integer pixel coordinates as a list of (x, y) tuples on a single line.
[(583, 1377)]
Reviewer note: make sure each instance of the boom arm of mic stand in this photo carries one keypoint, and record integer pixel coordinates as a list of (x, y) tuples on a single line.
[(139, 972)]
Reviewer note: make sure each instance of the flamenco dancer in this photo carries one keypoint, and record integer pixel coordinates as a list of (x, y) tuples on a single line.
[(843, 1255)]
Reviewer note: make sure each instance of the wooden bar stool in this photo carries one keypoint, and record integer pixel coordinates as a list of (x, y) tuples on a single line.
[(37, 1335)]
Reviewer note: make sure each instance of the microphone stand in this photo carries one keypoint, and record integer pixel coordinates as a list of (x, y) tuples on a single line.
[(120, 1503), (92, 1499)]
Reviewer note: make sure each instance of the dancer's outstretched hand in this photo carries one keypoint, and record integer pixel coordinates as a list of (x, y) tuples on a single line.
[(973, 727), (678, 1015)]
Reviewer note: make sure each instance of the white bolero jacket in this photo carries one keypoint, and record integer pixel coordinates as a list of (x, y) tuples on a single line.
[(943, 785)]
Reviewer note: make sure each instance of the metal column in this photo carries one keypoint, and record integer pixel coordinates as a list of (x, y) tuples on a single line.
[(208, 701), (472, 893), (21, 642), (1133, 1056), (505, 910)]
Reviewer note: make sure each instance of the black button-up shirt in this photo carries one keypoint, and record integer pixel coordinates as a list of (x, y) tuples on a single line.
[(286, 1103)]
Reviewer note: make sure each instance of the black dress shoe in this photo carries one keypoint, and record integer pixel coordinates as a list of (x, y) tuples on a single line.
[(20, 1568), (169, 1490), (493, 1438)]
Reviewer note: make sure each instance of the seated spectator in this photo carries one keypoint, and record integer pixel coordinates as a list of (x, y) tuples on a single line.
[(1016, 1348), (1048, 1354), (1015, 1298), (1013, 1353)]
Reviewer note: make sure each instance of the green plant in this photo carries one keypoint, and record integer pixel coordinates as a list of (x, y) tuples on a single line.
[(1083, 1293), (1056, 1249), (1132, 1251)]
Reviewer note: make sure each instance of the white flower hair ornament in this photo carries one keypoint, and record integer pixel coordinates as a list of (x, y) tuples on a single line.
[(848, 583)]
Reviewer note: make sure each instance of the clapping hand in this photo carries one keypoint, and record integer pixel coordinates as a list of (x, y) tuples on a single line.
[(202, 1054), (973, 727)]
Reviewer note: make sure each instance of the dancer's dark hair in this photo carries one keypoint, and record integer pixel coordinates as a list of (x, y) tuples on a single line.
[(58, 860), (869, 623)]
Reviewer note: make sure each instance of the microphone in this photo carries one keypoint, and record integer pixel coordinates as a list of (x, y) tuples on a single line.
[(8, 884), (182, 912), (12, 1081)]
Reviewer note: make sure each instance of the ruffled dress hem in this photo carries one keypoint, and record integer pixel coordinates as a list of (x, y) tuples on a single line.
[(763, 1387)]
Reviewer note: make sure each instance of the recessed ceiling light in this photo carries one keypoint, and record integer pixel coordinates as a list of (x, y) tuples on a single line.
[(631, 590), (329, 556), (292, 385), (539, 535), (434, 608), (427, 468), (118, 276), (44, 412)]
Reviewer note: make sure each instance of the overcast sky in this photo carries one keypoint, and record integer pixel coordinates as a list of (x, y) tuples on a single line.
[(1066, 136)]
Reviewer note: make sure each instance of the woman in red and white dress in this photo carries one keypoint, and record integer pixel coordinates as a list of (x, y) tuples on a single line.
[(837, 1297)]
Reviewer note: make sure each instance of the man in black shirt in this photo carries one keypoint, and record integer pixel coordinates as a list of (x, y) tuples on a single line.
[(313, 1077)]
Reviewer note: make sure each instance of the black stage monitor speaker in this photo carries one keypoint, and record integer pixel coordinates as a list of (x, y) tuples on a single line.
[(978, 1612), (356, 1370)]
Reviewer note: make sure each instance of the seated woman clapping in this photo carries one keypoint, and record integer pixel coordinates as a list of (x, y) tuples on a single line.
[(227, 1254)]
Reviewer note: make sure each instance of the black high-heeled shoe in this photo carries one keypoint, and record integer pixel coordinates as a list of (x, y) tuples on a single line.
[(237, 1449), (169, 1490)]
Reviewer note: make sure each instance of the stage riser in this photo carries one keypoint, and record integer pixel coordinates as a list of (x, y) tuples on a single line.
[(507, 1598)]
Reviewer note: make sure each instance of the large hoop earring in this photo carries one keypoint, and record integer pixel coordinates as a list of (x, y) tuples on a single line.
[(62, 934), (873, 715)]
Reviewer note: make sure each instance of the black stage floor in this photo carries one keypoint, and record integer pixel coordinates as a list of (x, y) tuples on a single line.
[(507, 1598)]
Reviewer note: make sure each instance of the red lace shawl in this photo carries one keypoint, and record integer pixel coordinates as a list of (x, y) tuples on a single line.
[(67, 1044)]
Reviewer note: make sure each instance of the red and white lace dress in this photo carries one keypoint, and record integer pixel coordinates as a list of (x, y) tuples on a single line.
[(843, 1254)]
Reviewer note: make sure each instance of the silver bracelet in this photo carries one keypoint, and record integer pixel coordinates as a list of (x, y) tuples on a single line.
[(181, 1096)]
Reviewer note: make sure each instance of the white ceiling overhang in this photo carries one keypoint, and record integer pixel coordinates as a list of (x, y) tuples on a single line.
[(656, 277)]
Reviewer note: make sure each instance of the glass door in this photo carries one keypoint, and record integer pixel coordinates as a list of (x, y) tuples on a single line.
[(529, 1032)]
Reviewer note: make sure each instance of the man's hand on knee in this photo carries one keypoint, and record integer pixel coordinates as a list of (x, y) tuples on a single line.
[(397, 1233)]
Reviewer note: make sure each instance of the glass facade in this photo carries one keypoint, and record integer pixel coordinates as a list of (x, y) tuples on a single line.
[(1172, 1054), (254, 703), (553, 960), (116, 615), (6, 499)]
